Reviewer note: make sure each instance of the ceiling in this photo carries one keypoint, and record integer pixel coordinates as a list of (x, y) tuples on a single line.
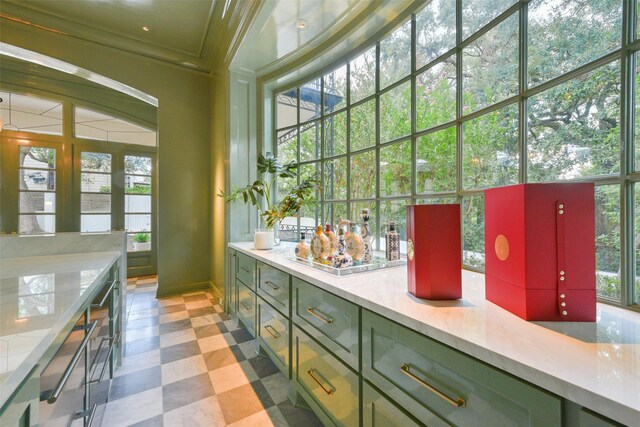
[(254, 35)]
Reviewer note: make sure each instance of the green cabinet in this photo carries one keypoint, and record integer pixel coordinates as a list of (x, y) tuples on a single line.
[(230, 291), (378, 411), (273, 334), (330, 386), (434, 381), (273, 286), (247, 307), (331, 320), (246, 270)]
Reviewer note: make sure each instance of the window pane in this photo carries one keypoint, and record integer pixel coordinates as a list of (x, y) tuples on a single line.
[(491, 66), (574, 128), (34, 224), (363, 175), (95, 203), (310, 216), (565, 34), (395, 211), (285, 185), (95, 182), (335, 134), (288, 146), (37, 202), (477, 13), (335, 89), (137, 203), (473, 231), (30, 114), (435, 31), (309, 141), (490, 149), (335, 179), (608, 241), (436, 94), (363, 125), (395, 113), (137, 222), (93, 125), (287, 108), (137, 242), (33, 179), (395, 169), (95, 162), (363, 75), (310, 171), (395, 55), (37, 157), (637, 242), (137, 165), (436, 161), (95, 223), (134, 184), (334, 213), (436, 201), (310, 101), (637, 95)]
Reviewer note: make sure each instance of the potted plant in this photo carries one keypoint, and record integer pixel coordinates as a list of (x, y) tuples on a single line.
[(142, 242), (260, 194)]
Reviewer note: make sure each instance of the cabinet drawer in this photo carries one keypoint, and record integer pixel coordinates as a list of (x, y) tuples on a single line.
[(331, 320), (246, 270), (378, 411), (330, 384), (273, 331), (273, 286), (247, 307), (429, 379)]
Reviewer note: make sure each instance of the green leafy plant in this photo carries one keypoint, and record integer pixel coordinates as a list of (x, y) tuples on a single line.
[(141, 237), (259, 194)]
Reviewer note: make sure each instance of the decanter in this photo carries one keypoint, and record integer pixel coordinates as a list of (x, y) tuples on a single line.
[(302, 248), (342, 258), (354, 244), (333, 239), (320, 246), (365, 233)]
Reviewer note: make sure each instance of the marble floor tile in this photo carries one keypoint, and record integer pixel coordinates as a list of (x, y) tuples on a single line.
[(184, 392), (215, 342), (263, 366), (209, 330), (145, 322), (271, 417), (207, 319), (198, 304), (180, 351), (126, 411), (232, 376), (138, 334), (177, 337), (249, 349), (223, 357), (141, 346), (138, 362), (143, 314), (238, 403), (203, 413), (171, 308), (165, 328), (173, 317), (150, 422), (201, 311), (194, 296), (168, 301), (183, 368), (135, 382), (277, 385), (241, 335)]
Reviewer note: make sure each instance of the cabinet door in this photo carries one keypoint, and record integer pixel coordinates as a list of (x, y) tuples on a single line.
[(230, 304), (273, 332), (247, 307), (378, 411), (433, 380), (273, 286), (327, 382), (246, 271)]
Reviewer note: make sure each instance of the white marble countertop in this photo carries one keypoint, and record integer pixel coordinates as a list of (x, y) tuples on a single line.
[(38, 296), (596, 365)]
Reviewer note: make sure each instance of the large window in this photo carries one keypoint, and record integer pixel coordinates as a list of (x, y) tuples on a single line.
[(454, 101)]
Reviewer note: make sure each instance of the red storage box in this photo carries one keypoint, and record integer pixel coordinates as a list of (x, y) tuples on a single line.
[(540, 251), (433, 252)]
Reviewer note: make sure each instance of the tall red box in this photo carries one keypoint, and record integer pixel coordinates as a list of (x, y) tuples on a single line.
[(433, 251), (540, 250)]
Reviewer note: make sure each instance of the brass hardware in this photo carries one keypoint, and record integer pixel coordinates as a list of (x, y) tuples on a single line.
[(319, 315), (410, 250), (564, 313), (274, 334), (563, 303), (245, 306), (457, 403), (330, 391), (273, 285)]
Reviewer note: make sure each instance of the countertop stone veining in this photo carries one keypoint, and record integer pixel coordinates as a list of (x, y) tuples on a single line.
[(38, 296), (596, 365)]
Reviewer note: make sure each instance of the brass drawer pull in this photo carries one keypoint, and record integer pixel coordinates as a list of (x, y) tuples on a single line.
[(273, 285), (319, 315), (328, 391), (245, 270), (272, 331), (457, 403), (245, 305)]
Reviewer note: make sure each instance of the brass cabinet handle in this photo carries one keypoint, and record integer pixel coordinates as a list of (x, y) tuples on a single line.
[(245, 270), (273, 285), (272, 331), (328, 391), (406, 370), (319, 315), (245, 305)]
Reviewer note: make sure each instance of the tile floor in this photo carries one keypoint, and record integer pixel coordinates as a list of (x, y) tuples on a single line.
[(188, 364)]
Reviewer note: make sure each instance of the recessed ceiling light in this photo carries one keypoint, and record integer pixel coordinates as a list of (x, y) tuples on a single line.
[(145, 28), (301, 24)]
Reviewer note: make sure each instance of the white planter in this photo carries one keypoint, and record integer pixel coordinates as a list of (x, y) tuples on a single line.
[(263, 239), (141, 246)]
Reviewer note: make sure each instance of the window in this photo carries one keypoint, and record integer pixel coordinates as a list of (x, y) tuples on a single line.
[(95, 191), (93, 125), (137, 202), (445, 106), (30, 114), (37, 190)]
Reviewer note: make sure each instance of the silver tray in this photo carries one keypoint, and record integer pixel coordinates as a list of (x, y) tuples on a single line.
[(377, 263)]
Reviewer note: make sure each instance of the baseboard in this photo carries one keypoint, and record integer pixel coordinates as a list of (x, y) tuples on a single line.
[(182, 289), (216, 292)]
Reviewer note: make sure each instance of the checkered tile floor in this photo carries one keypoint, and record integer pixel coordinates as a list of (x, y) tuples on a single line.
[(188, 364)]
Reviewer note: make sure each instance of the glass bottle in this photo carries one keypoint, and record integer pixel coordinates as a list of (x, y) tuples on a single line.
[(320, 245), (365, 233), (393, 243), (354, 244), (333, 239), (302, 248)]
